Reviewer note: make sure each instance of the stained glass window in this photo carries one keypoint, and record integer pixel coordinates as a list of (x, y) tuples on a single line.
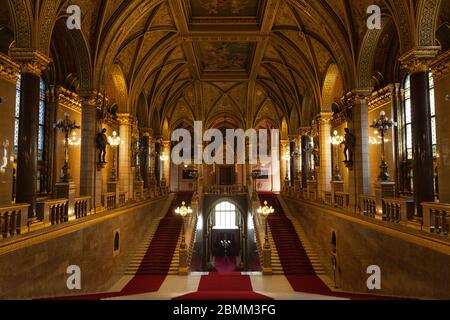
[(433, 114), (408, 119)]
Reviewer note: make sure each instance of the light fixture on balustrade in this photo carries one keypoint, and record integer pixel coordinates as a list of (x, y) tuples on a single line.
[(114, 141), (336, 140), (183, 212), (266, 211)]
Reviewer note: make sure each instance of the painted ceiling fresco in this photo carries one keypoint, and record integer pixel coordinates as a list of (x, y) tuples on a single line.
[(224, 8), (225, 56)]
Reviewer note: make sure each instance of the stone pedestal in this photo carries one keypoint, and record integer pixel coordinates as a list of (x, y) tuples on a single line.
[(67, 190), (267, 261), (383, 189)]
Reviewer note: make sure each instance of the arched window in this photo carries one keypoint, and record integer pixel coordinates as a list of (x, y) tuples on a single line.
[(225, 216)]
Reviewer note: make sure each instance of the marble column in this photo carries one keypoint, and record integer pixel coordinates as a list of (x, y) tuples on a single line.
[(359, 173), (144, 156), (166, 164), (32, 65), (9, 72), (293, 164), (89, 179), (326, 169), (417, 62), (441, 74), (305, 141), (125, 173)]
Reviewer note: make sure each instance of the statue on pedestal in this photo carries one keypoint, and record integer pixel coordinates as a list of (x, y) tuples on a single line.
[(349, 143), (102, 142)]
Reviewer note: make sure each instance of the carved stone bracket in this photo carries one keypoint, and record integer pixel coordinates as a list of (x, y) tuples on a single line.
[(9, 70)]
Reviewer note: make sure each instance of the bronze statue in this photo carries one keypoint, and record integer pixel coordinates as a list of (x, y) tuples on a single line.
[(102, 142), (349, 143)]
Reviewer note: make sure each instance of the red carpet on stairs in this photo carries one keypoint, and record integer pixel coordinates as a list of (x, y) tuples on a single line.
[(294, 260)]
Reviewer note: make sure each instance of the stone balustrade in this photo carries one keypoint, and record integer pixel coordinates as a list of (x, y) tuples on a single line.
[(341, 200), (55, 211), (122, 199), (436, 217), (397, 210), (234, 189), (368, 206), (328, 198), (82, 207), (12, 219), (109, 200)]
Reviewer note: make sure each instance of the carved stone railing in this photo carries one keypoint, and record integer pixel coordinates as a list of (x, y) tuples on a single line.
[(397, 210), (122, 199), (328, 198), (185, 255), (341, 200), (265, 252), (82, 207), (109, 200), (12, 219), (368, 206), (234, 189), (55, 211), (436, 217)]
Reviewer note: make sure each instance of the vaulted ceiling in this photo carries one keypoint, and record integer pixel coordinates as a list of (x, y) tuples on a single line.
[(240, 62)]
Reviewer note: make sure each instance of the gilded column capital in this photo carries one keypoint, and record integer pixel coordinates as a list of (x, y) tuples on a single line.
[(304, 131), (419, 59), (125, 119), (441, 66), (92, 97), (9, 70), (67, 98), (33, 62), (325, 117)]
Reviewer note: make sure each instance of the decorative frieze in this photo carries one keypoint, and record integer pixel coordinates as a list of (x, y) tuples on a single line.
[(68, 99), (441, 66), (383, 96), (9, 70)]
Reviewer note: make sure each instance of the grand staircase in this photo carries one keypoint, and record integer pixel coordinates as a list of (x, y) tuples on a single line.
[(158, 254), (292, 254)]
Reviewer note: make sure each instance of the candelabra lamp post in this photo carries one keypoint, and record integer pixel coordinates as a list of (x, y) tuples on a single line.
[(67, 126), (114, 142), (163, 157), (336, 140), (382, 125), (266, 211), (225, 244), (183, 212)]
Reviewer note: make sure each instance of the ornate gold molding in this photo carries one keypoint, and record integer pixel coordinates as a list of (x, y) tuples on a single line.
[(382, 96), (92, 98), (68, 99), (9, 70), (125, 119), (419, 59), (33, 62), (325, 117), (441, 66)]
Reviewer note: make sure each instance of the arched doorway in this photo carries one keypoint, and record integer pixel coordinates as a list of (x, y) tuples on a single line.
[(225, 238)]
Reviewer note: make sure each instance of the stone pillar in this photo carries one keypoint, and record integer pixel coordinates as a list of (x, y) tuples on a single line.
[(441, 74), (165, 181), (89, 179), (305, 140), (32, 65), (144, 156), (9, 72), (326, 169), (293, 163), (125, 172), (284, 167), (417, 63), (359, 174)]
